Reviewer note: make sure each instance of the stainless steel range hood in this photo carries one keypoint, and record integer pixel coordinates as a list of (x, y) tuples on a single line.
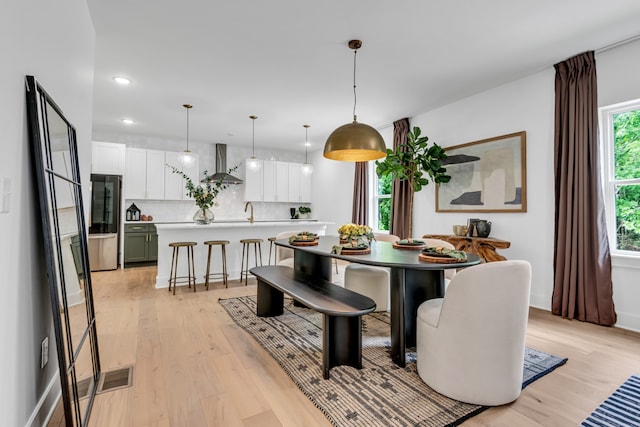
[(221, 167)]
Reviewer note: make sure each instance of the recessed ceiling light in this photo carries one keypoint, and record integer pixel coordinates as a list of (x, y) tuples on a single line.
[(122, 80), (128, 121)]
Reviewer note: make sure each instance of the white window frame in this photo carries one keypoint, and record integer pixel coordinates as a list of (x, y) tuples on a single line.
[(609, 182), (375, 197)]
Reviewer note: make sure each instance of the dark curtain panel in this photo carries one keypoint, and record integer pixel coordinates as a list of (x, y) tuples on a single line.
[(582, 263), (359, 213), (401, 191)]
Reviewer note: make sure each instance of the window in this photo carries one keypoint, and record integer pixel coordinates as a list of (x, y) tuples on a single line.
[(621, 177), (381, 208)]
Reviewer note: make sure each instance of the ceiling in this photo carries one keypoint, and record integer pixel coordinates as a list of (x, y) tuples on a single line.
[(287, 61)]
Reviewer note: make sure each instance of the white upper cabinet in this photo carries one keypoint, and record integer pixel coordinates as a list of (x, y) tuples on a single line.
[(175, 184), (254, 183), (282, 182), (108, 158), (269, 181), (277, 182), (148, 177), (155, 174), (294, 182), (135, 176)]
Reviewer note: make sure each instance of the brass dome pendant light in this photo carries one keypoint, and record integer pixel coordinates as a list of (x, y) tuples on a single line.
[(355, 142), (307, 168), (186, 157), (252, 162)]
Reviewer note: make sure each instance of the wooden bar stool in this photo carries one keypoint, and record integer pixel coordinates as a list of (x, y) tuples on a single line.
[(223, 245), (246, 247), (271, 240), (174, 279)]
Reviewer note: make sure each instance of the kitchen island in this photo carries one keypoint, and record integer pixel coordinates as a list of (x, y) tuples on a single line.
[(233, 231)]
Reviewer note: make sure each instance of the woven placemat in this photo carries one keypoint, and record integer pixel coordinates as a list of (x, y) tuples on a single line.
[(410, 247), (346, 251), (439, 259), (304, 243)]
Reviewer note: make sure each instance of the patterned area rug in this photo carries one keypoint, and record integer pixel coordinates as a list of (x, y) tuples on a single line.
[(380, 394), (622, 408)]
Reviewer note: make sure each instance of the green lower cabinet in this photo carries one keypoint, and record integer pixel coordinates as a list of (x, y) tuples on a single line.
[(140, 243)]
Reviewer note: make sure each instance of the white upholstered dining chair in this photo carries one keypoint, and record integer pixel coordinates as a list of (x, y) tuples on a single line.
[(470, 344)]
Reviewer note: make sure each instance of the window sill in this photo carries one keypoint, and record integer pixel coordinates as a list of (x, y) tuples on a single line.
[(625, 261)]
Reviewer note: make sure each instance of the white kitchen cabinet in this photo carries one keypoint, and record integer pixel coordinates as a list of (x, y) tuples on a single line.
[(135, 175), (155, 174), (282, 182), (294, 182), (108, 158), (277, 182), (144, 174), (269, 181), (174, 184), (254, 183)]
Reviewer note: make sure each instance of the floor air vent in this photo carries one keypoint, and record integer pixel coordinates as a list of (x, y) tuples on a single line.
[(116, 379), (84, 386)]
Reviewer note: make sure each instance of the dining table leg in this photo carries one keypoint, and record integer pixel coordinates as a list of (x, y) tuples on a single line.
[(408, 289)]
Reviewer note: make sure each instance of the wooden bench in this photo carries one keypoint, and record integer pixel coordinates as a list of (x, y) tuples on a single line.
[(342, 311)]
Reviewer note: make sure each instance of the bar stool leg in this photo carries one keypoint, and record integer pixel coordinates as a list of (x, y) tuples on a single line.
[(244, 246), (191, 267), (224, 266), (175, 271), (260, 252), (173, 256), (206, 277)]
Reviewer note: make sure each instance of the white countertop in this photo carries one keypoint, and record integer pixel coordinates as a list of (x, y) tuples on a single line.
[(236, 224), (232, 220)]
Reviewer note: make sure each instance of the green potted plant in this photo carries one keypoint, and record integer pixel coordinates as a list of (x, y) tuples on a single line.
[(304, 211), (415, 162)]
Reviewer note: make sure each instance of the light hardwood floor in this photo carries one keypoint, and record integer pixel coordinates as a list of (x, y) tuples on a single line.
[(194, 367)]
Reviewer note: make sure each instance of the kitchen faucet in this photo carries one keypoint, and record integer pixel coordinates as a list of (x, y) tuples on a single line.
[(245, 209)]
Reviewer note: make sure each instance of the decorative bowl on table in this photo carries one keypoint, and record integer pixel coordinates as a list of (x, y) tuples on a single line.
[(460, 230)]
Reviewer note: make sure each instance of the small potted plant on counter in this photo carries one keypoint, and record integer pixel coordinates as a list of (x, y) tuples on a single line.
[(303, 212)]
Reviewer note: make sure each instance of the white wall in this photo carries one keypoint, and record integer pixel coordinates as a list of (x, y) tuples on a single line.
[(34, 41), (332, 190), (618, 71), (526, 104)]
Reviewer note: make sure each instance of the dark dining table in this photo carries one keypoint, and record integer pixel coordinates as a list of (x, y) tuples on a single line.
[(412, 281)]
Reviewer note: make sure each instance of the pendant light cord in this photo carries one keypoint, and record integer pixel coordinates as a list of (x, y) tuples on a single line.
[(355, 98), (187, 128), (253, 137), (306, 143)]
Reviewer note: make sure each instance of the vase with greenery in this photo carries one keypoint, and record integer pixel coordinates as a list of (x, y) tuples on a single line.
[(415, 162), (356, 234), (303, 211), (204, 194)]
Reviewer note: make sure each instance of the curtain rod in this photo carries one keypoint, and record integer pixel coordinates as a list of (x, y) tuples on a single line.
[(616, 44)]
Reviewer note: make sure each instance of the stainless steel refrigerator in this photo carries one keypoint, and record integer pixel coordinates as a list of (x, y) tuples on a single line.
[(104, 222)]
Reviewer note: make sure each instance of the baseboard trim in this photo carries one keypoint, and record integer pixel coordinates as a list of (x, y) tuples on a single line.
[(46, 406)]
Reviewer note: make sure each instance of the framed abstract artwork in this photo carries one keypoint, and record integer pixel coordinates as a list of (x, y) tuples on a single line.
[(486, 176)]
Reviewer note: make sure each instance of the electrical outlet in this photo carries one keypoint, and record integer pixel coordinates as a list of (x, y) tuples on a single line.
[(44, 355)]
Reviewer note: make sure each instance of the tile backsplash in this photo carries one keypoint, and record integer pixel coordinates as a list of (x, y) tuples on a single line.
[(230, 206)]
